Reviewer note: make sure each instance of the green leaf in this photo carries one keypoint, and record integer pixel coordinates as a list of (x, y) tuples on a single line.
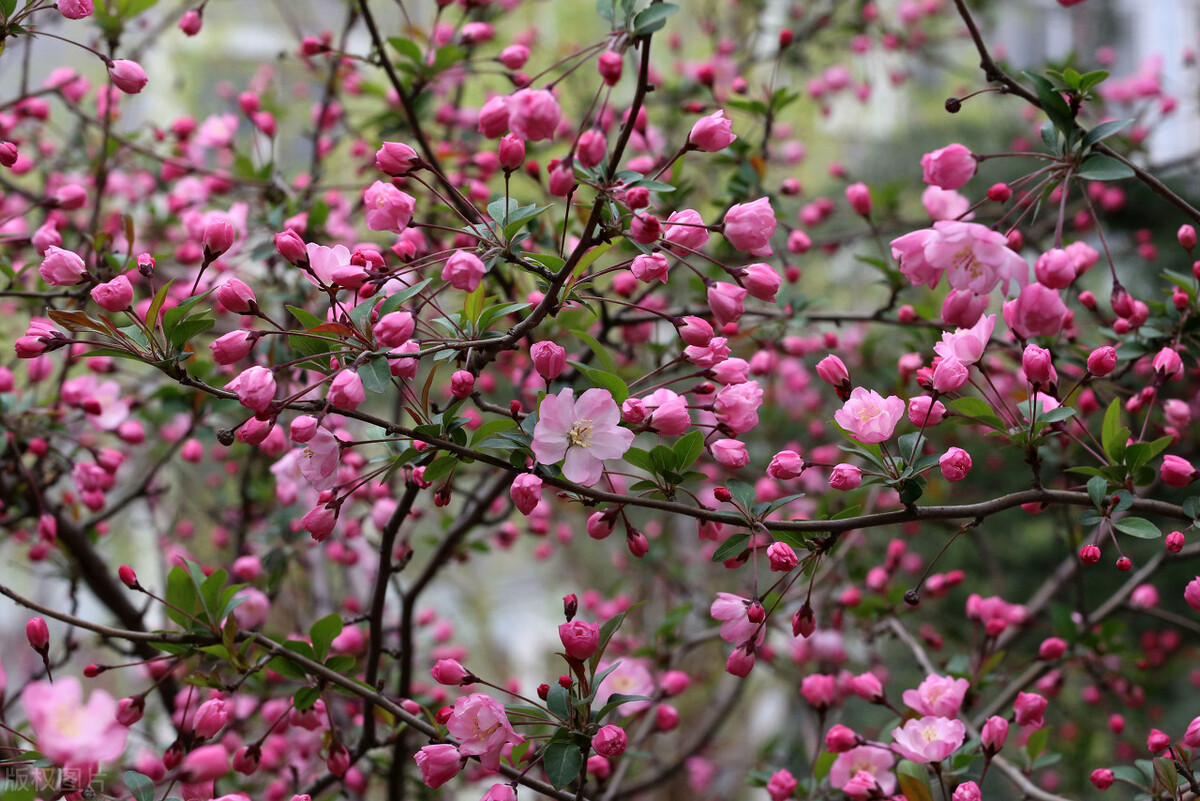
[(305, 697), (1138, 527), (304, 317), (1110, 431), (1056, 415), (140, 787), (181, 596), (599, 351), (395, 300), (1104, 130), (1037, 742), (606, 380), (1191, 507), (562, 762), (323, 633), (914, 788), (653, 18), (473, 303), (1139, 453), (607, 629), (440, 467), (617, 699), (1165, 774), (156, 305), (406, 48), (286, 667), (7, 7), (606, 9), (376, 375), (342, 663), (183, 333), (639, 458), (731, 547), (742, 492), (688, 449), (1098, 167), (1052, 103), (558, 701)]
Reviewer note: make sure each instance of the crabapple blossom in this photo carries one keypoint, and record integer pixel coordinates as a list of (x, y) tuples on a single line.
[(868, 416), (949, 167), (712, 133), (749, 226), (585, 433), (928, 739)]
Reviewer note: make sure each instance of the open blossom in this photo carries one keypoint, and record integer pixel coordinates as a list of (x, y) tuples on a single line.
[(736, 406), (928, 739), (868, 416), (975, 257), (583, 432), (318, 460), (736, 626), (630, 676), (967, 344), (940, 696), (325, 262), (68, 731), (387, 208), (876, 763), (481, 726)]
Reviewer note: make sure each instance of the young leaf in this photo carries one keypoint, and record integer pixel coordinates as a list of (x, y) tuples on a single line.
[(562, 761), (323, 633)]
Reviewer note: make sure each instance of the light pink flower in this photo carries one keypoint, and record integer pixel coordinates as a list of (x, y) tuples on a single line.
[(62, 267), (668, 412), (749, 226), (929, 739), (630, 677), (685, 228), (945, 204), (68, 731), (648, 267), (730, 453), (584, 433), (481, 726), (736, 406), (438, 763), (736, 626), (128, 76), (909, 250), (727, 301), (975, 257), (876, 762), (463, 271), (868, 416), (937, 695), (75, 9), (324, 261), (949, 167), (387, 208), (967, 344), (255, 388), (319, 459)]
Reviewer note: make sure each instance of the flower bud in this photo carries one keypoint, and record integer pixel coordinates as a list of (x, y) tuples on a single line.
[(38, 634)]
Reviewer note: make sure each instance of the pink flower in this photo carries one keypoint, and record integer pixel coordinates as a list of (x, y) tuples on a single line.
[(949, 375), (963, 309), (493, 118), (761, 281), (500, 792), (325, 261), (1038, 365), (630, 676), (579, 638), (526, 492), (819, 689), (967, 344), (394, 329), (949, 167), (1168, 364), (204, 764), (1037, 312), (211, 717), (668, 412), (782, 557), (1101, 777), (736, 626), (1176, 471), (68, 731), (940, 696), (967, 791), (929, 739), (994, 733), (1055, 268), (319, 460), (463, 270), (450, 673), (1191, 593), (736, 406), (584, 433), (975, 257), (727, 301), (346, 390), (712, 133), (255, 388), (1029, 708), (438, 764), (876, 763), (955, 464), (650, 267), (387, 208), (781, 785), (115, 295), (191, 22), (730, 453), (62, 267), (396, 158), (749, 226), (1102, 361), (925, 411), (868, 417), (845, 477), (859, 197), (610, 741), (75, 9), (128, 76), (481, 726), (533, 114), (785, 465), (909, 250), (686, 229)]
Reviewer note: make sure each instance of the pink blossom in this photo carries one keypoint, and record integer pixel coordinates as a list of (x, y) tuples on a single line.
[(859, 197), (974, 257), (949, 375), (115, 295), (929, 739), (845, 477), (584, 433), (1037, 312), (325, 262), (62, 267), (579, 638), (730, 453), (695, 331), (955, 463), (782, 557), (945, 204), (481, 726), (963, 309), (940, 696), (319, 459), (785, 465), (712, 133), (1168, 364), (819, 689), (128, 76), (533, 114), (685, 228), (869, 417), (1177, 471), (967, 344), (925, 411), (396, 158), (1191, 593), (1055, 268), (631, 676), (781, 785), (736, 626), (438, 764), (1029, 708), (726, 301), (736, 406), (994, 733), (68, 731), (876, 763), (75, 9), (949, 167), (668, 412), (387, 208), (255, 388), (749, 226), (909, 250), (967, 791), (649, 267), (463, 270), (761, 281), (526, 492)]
